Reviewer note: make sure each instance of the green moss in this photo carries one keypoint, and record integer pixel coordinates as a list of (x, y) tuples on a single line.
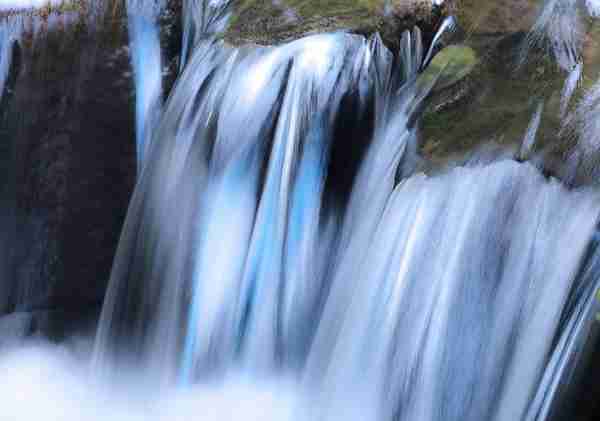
[(451, 65), (272, 22), (264, 22), (65, 6), (490, 101)]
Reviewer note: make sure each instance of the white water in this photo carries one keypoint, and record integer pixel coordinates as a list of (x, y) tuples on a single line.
[(569, 88), (593, 7), (583, 128), (201, 19), (250, 285), (434, 298), (559, 30), (147, 67), (531, 133), (41, 381)]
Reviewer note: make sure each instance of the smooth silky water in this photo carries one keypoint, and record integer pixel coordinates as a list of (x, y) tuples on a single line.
[(264, 273)]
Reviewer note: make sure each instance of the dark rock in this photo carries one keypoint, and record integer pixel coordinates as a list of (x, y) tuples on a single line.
[(52, 325), (70, 166)]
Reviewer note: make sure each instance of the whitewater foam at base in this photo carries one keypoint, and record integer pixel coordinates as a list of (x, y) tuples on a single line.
[(472, 312), (41, 381)]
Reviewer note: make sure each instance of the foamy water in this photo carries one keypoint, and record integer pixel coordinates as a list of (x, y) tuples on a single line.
[(48, 382)]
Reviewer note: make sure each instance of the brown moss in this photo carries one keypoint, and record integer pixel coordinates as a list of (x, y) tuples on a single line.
[(272, 22)]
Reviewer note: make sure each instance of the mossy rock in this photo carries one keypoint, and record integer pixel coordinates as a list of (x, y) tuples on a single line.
[(65, 6), (497, 98), (450, 66), (269, 22), (496, 16)]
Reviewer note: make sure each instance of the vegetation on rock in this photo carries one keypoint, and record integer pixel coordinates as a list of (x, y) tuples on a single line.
[(276, 21), (451, 65)]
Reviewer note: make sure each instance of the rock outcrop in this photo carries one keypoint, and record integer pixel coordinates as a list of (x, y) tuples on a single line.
[(67, 126), (271, 22)]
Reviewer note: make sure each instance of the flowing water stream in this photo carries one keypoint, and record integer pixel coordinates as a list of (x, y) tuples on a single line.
[(289, 254)]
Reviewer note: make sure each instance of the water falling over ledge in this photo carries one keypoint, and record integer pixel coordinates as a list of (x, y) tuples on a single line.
[(239, 258), (10, 29), (288, 254)]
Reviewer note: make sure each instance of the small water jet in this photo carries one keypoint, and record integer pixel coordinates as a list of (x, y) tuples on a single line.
[(10, 29), (147, 67)]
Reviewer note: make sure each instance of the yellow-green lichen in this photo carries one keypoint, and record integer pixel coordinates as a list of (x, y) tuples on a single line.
[(451, 65), (272, 22)]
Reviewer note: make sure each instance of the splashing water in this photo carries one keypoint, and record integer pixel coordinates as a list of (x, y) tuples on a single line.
[(593, 7)]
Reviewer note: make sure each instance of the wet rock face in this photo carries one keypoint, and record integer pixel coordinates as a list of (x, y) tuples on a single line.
[(67, 154), (271, 22), (70, 166)]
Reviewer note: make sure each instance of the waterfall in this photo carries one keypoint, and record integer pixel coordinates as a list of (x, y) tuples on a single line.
[(593, 7), (530, 134), (201, 19), (449, 315), (207, 118), (147, 68), (291, 253), (559, 31), (232, 110), (582, 128), (10, 29), (560, 372), (569, 88), (258, 245)]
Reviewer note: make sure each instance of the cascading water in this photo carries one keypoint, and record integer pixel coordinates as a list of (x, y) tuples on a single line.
[(10, 29), (437, 297), (147, 67), (288, 254), (559, 29), (569, 88), (202, 19), (271, 115)]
